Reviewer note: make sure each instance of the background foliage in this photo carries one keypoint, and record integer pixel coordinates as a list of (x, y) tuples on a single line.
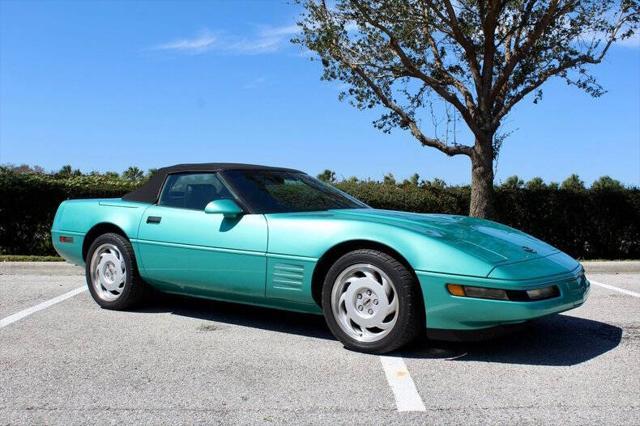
[(602, 221)]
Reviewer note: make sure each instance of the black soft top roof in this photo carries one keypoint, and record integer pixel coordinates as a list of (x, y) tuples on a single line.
[(148, 193)]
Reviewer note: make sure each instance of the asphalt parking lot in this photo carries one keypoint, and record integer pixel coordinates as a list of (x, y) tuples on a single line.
[(198, 362)]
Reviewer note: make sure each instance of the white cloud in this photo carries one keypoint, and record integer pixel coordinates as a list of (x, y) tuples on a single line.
[(199, 44), (285, 31), (265, 40)]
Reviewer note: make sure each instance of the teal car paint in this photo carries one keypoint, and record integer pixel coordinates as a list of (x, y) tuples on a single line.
[(77, 217), (230, 250)]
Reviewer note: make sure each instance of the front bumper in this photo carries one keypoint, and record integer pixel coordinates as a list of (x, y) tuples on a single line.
[(448, 312)]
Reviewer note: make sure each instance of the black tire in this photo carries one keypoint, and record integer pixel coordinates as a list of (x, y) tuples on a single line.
[(134, 289), (410, 316)]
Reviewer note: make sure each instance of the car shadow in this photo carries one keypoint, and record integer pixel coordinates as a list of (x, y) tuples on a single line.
[(239, 314), (556, 340)]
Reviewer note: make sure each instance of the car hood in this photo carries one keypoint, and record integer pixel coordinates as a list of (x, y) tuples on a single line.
[(494, 243)]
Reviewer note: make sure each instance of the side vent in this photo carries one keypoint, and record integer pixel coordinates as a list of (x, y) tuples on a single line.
[(288, 276)]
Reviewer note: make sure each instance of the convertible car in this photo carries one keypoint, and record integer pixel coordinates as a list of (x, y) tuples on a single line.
[(279, 238)]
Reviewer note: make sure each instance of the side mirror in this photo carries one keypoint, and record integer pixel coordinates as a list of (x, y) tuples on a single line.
[(226, 207)]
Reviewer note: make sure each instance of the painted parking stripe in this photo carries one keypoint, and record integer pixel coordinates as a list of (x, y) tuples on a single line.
[(621, 290), (401, 383), (44, 305)]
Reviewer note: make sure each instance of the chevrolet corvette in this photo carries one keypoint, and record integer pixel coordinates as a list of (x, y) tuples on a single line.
[(279, 238)]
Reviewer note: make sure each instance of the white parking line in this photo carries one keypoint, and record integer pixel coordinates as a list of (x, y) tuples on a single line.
[(26, 312), (621, 290), (401, 383)]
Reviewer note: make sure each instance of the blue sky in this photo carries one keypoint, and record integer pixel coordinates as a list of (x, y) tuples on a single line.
[(105, 85)]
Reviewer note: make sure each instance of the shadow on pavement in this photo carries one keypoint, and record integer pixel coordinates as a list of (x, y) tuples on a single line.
[(243, 315), (558, 340)]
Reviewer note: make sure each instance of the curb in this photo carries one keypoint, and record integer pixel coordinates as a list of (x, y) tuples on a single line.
[(612, 266), (65, 268), (40, 268)]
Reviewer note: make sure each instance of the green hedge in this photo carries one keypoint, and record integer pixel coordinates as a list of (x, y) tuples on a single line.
[(29, 202), (587, 223), (597, 223)]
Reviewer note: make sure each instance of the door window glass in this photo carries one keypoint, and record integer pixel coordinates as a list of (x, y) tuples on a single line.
[(192, 190)]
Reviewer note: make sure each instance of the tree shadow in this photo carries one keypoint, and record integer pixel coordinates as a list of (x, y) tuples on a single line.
[(557, 340)]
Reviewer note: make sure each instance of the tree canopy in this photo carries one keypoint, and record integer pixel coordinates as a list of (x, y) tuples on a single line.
[(480, 57)]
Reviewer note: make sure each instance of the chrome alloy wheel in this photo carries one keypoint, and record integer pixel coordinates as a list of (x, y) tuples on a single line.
[(364, 302), (108, 272)]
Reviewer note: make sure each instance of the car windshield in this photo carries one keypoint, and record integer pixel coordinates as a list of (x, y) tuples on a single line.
[(284, 191)]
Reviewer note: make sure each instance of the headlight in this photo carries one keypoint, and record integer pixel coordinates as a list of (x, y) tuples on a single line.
[(500, 294), (542, 293), (486, 293)]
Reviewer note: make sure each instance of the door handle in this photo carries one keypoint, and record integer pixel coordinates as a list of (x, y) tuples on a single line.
[(154, 219)]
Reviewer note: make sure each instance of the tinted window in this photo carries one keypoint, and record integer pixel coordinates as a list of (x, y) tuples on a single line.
[(281, 191), (192, 190)]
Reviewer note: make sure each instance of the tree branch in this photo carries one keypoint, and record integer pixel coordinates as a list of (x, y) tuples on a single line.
[(580, 60), (467, 45), (468, 98), (407, 120), (489, 26), (521, 51), (438, 86)]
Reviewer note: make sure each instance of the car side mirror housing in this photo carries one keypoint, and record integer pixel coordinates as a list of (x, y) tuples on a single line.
[(226, 207)]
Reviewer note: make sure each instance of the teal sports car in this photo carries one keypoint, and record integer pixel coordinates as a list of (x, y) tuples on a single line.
[(279, 238)]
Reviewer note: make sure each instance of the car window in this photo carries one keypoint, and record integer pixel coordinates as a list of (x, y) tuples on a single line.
[(283, 191), (192, 190)]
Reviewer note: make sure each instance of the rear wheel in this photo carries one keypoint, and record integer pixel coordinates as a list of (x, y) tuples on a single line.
[(112, 273), (371, 302)]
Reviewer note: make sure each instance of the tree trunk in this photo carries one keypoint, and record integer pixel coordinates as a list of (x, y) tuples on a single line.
[(482, 179)]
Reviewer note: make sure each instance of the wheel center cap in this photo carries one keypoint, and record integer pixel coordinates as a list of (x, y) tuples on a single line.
[(366, 302), (109, 272)]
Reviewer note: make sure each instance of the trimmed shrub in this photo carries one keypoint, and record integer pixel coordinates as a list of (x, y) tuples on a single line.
[(602, 222), (29, 202)]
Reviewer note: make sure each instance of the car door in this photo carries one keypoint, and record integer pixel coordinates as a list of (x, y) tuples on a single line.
[(184, 249)]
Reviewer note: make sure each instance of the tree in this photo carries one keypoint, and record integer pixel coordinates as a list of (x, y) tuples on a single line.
[(573, 183), (328, 176), (389, 179), (513, 182), (480, 57), (151, 173), (536, 183), (25, 169), (606, 183), (133, 173), (65, 171), (436, 183), (414, 180)]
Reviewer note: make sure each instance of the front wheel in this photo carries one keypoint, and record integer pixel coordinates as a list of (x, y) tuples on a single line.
[(371, 302)]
